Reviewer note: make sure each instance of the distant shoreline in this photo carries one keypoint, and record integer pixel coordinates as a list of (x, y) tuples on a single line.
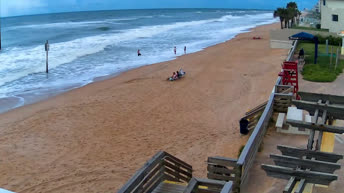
[(13, 102)]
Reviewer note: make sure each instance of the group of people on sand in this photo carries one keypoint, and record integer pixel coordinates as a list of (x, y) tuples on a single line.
[(176, 75), (174, 50)]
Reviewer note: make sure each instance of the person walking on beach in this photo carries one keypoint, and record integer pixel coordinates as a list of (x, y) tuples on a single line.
[(175, 50), (184, 49), (138, 52)]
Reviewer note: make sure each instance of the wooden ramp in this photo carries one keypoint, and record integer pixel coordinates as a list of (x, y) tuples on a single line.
[(168, 187)]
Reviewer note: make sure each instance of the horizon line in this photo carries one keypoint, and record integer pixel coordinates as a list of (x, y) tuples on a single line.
[(123, 10)]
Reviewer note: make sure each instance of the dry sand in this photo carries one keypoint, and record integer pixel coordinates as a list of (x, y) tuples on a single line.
[(94, 138)]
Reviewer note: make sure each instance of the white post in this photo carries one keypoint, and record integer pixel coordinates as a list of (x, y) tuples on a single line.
[(327, 47), (343, 46)]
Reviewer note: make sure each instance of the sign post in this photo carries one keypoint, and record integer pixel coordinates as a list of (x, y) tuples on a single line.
[(47, 50)]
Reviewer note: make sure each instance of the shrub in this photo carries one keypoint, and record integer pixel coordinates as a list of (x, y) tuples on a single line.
[(331, 40)]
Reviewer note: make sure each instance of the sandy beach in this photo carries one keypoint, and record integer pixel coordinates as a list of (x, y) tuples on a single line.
[(94, 138)]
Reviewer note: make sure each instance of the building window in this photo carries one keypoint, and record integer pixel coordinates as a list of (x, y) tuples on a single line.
[(324, 2), (334, 17)]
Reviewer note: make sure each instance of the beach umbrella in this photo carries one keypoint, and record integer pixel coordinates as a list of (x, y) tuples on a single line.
[(307, 36)]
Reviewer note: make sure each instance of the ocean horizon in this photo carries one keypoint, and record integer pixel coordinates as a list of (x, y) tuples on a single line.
[(92, 44)]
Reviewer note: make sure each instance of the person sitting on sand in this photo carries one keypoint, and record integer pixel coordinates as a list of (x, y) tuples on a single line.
[(181, 72), (175, 76), (178, 74)]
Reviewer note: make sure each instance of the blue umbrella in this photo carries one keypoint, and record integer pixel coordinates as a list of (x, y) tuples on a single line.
[(307, 36)]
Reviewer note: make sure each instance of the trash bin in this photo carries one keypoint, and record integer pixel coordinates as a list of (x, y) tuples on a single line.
[(243, 126)]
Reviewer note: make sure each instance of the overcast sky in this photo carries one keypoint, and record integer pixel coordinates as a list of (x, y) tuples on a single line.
[(30, 7)]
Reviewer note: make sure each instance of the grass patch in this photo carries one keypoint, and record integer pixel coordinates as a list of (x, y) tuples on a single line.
[(322, 71), (310, 28)]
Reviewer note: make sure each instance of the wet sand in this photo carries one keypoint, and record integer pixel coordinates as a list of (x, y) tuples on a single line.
[(94, 138)]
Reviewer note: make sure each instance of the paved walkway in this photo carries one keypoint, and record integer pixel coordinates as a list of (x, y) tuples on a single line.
[(334, 88)]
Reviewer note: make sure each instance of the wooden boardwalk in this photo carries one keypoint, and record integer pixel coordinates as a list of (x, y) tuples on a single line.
[(167, 187)]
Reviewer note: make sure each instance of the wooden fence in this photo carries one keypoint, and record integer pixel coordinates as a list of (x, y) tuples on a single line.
[(239, 170), (161, 167), (197, 185)]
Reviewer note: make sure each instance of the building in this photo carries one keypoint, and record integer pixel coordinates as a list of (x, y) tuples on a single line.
[(332, 15)]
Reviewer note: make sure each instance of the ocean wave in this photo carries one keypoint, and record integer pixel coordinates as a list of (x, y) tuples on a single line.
[(75, 24), (20, 62)]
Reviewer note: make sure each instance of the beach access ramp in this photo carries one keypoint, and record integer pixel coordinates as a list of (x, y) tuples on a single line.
[(165, 173)]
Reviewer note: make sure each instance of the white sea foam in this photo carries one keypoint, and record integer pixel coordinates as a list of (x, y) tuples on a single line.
[(20, 62), (72, 24)]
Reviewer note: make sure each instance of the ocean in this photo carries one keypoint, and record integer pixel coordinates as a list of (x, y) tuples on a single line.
[(87, 45)]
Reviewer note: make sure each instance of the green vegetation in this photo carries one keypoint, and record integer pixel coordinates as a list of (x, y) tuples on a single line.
[(322, 71), (309, 28), (290, 13), (336, 41)]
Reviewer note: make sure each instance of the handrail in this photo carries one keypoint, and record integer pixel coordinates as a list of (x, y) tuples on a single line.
[(195, 185), (162, 166)]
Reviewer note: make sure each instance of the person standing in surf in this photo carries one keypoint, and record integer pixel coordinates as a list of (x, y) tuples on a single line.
[(175, 50), (138, 52), (184, 49)]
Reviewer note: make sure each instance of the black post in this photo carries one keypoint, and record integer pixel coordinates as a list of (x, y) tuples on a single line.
[(316, 49), (47, 50)]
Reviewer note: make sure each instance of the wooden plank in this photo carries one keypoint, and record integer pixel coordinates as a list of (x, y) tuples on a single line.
[(216, 169), (309, 176), (191, 186), (317, 127), (313, 97), (177, 175), (175, 160), (220, 177), (177, 169), (206, 182), (323, 121), (227, 188), (222, 161), (169, 188), (312, 132), (301, 186), (337, 111), (154, 183), (140, 174), (298, 152), (148, 177), (290, 186), (313, 165)]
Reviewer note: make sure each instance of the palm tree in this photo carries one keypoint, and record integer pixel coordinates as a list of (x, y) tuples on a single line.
[(281, 13), (292, 12)]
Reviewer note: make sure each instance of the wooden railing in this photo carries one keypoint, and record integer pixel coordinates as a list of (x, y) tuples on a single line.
[(161, 167), (240, 170), (221, 168), (283, 98), (197, 185), (254, 114)]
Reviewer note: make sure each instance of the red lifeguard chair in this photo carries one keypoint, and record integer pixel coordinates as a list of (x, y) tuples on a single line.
[(289, 75)]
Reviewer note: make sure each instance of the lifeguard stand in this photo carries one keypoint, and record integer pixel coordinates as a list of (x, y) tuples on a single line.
[(289, 75)]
